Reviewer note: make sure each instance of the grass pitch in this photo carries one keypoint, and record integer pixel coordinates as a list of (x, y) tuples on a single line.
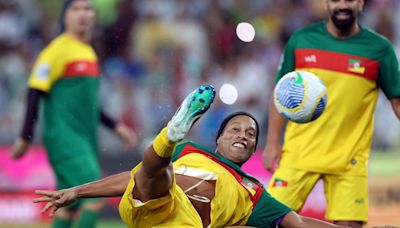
[(101, 224)]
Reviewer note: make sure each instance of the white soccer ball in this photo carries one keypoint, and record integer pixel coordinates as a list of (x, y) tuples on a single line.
[(300, 96)]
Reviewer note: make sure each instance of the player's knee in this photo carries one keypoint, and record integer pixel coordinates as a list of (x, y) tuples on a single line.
[(66, 213), (94, 205)]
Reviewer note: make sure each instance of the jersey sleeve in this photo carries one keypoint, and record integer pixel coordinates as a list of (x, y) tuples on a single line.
[(268, 212), (31, 114), (287, 63), (46, 71), (178, 150), (389, 74)]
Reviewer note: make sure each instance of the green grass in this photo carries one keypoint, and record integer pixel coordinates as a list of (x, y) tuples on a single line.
[(111, 224), (101, 224)]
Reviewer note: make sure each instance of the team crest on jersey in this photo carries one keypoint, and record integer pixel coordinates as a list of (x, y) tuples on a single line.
[(279, 183), (43, 71), (249, 185), (356, 66)]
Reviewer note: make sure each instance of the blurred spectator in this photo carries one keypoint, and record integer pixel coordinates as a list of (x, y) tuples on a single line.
[(13, 25), (116, 35)]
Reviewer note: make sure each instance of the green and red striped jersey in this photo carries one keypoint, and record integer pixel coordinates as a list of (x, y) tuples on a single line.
[(67, 70), (249, 203), (352, 69)]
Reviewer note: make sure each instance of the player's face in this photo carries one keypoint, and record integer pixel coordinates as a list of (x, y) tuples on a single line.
[(344, 13), (80, 16), (237, 141)]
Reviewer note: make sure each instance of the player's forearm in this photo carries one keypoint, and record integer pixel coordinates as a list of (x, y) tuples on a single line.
[(294, 220), (275, 124), (31, 114), (314, 223), (114, 185), (396, 106), (107, 120)]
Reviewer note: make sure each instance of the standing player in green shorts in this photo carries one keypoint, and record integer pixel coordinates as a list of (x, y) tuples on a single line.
[(353, 62), (66, 78), (187, 185)]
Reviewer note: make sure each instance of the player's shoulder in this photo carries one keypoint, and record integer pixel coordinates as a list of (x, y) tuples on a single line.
[(375, 37), (56, 46), (191, 144), (314, 27), (188, 147)]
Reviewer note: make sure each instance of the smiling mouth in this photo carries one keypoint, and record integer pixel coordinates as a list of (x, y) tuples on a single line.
[(241, 145), (343, 14)]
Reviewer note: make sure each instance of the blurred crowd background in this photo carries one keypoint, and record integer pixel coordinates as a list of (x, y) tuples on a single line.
[(153, 52)]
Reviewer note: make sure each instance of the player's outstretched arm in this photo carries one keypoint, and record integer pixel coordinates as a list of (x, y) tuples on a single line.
[(294, 220), (125, 133), (21, 145), (114, 185), (273, 148), (396, 106)]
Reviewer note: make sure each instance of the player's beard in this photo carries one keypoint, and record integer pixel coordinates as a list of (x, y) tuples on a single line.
[(343, 24)]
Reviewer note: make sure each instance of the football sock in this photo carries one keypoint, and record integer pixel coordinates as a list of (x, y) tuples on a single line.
[(88, 218), (162, 145), (61, 223)]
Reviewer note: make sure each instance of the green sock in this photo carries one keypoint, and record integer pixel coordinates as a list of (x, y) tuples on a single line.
[(88, 219), (62, 223)]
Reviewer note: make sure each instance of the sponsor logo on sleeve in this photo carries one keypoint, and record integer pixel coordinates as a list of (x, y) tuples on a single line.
[(43, 71)]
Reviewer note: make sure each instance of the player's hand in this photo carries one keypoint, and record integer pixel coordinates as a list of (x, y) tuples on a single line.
[(127, 135), (271, 156), (56, 199), (19, 148)]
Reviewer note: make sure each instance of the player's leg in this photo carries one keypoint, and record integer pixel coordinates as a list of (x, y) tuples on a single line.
[(89, 214), (292, 186), (64, 218), (347, 199), (89, 209), (155, 177), (76, 171)]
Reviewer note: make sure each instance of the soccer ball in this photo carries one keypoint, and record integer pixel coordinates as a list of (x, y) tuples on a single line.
[(300, 96)]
